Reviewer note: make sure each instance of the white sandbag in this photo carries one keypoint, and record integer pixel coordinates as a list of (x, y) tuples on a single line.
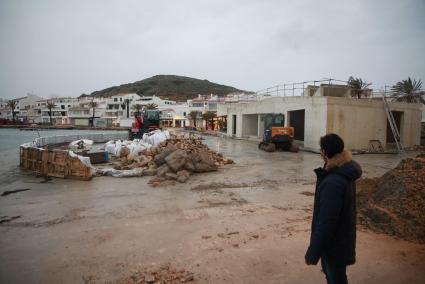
[(167, 134), (157, 138), (110, 147), (136, 172), (118, 146)]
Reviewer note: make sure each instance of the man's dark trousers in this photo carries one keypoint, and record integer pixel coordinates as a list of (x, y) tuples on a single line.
[(335, 273)]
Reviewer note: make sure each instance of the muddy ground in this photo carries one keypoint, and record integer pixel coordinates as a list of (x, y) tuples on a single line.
[(247, 223)]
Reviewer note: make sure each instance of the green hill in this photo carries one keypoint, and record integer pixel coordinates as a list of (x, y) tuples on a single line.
[(172, 87)]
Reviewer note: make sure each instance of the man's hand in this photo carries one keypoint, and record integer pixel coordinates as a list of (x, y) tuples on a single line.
[(308, 262)]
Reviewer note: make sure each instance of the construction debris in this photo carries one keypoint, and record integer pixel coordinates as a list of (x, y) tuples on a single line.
[(395, 203), (165, 274), (81, 145), (176, 159), (7, 192), (5, 219)]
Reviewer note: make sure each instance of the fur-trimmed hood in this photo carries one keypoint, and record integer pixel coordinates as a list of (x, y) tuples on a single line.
[(344, 165), (339, 160)]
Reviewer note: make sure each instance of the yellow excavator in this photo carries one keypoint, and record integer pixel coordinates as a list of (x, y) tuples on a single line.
[(277, 136)]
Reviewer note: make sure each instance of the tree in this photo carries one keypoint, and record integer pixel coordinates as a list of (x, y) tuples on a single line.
[(93, 105), (408, 91), (151, 106), (358, 86), (194, 115), (12, 105), (208, 116), (50, 105), (137, 108)]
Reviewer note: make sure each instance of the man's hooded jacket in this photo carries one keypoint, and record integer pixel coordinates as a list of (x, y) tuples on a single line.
[(333, 229)]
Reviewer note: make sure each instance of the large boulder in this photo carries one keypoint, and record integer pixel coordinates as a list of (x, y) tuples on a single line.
[(160, 158), (176, 160), (171, 176), (190, 166), (151, 171), (205, 164), (162, 170), (183, 176)]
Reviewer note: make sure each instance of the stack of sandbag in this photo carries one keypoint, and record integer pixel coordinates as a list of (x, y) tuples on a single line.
[(156, 137), (124, 148)]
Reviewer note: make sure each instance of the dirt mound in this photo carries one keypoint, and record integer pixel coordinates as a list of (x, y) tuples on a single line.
[(165, 274), (395, 203)]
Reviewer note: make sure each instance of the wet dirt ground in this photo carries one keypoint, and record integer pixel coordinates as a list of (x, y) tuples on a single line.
[(246, 223)]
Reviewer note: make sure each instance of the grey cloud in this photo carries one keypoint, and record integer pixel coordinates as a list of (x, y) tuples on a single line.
[(71, 47)]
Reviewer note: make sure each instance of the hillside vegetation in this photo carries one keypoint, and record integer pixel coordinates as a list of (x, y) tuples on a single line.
[(178, 88)]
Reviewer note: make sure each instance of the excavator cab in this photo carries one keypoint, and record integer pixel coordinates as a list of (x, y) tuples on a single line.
[(143, 123), (277, 136)]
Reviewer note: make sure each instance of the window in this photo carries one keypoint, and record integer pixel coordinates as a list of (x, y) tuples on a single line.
[(120, 99), (62, 106), (69, 105), (115, 99), (184, 113)]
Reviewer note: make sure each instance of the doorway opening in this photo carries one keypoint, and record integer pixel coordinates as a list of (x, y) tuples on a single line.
[(297, 121)]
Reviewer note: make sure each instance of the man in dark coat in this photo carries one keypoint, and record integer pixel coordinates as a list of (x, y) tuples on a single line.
[(333, 228)]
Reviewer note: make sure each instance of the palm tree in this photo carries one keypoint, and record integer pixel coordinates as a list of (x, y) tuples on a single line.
[(358, 87), (137, 108), (93, 105), (194, 115), (12, 105), (208, 116), (408, 91), (50, 105), (151, 106)]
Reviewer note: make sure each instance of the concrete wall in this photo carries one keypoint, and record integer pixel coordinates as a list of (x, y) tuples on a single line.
[(96, 137), (359, 121), (81, 122), (333, 91), (250, 125)]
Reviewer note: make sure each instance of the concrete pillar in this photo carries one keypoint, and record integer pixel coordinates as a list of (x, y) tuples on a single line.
[(260, 127), (229, 124), (239, 125)]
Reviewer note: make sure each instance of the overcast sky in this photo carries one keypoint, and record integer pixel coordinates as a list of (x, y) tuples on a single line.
[(71, 47)]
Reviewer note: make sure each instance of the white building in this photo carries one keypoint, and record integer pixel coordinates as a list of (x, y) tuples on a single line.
[(59, 113), (4, 110), (327, 110), (119, 106), (24, 109), (175, 116)]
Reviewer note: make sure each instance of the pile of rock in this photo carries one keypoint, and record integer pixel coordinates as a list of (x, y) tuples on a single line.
[(164, 274), (174, 159), (395, 203)]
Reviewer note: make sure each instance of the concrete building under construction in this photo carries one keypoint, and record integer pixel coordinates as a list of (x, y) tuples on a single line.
[(328, 109)]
